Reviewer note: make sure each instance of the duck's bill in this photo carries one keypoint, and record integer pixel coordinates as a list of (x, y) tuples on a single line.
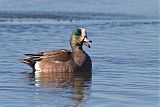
[(86, 42)]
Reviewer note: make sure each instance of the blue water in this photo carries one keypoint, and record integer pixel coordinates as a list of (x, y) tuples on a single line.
[(125, 53)]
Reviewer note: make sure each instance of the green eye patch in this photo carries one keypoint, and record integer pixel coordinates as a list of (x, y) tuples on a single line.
[(77, 32)]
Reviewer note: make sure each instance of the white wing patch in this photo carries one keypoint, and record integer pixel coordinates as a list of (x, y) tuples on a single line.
[(56, 61)]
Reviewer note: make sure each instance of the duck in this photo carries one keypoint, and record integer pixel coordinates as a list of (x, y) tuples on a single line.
[(62, 60)]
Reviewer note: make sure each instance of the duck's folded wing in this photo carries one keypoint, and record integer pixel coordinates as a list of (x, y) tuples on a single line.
[(54, 55)]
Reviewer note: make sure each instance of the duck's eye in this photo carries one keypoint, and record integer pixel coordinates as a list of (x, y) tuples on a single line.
[(77, 32)]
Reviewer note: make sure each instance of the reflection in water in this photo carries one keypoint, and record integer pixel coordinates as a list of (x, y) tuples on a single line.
[(76, 85)]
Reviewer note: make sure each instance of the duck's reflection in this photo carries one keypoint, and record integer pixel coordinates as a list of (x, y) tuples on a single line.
[(77, 85)]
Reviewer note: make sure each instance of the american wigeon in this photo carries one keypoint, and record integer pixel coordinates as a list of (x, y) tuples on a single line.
[(63, 60)]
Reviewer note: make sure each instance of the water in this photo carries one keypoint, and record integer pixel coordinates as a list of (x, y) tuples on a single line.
[(124, 53)]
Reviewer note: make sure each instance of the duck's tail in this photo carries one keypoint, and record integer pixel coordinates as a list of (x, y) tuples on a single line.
[(31, 60), (28, 62)]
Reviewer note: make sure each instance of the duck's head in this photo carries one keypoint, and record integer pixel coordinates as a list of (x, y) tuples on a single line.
[(78, 37)]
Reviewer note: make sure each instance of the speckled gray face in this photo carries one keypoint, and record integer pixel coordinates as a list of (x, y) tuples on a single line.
[(80, 37)]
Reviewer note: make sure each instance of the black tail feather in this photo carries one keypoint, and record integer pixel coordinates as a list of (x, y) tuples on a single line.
[(33, 55), (26, 61), (29, 62)]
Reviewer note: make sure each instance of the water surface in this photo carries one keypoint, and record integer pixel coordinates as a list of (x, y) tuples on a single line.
[(124, 53)]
